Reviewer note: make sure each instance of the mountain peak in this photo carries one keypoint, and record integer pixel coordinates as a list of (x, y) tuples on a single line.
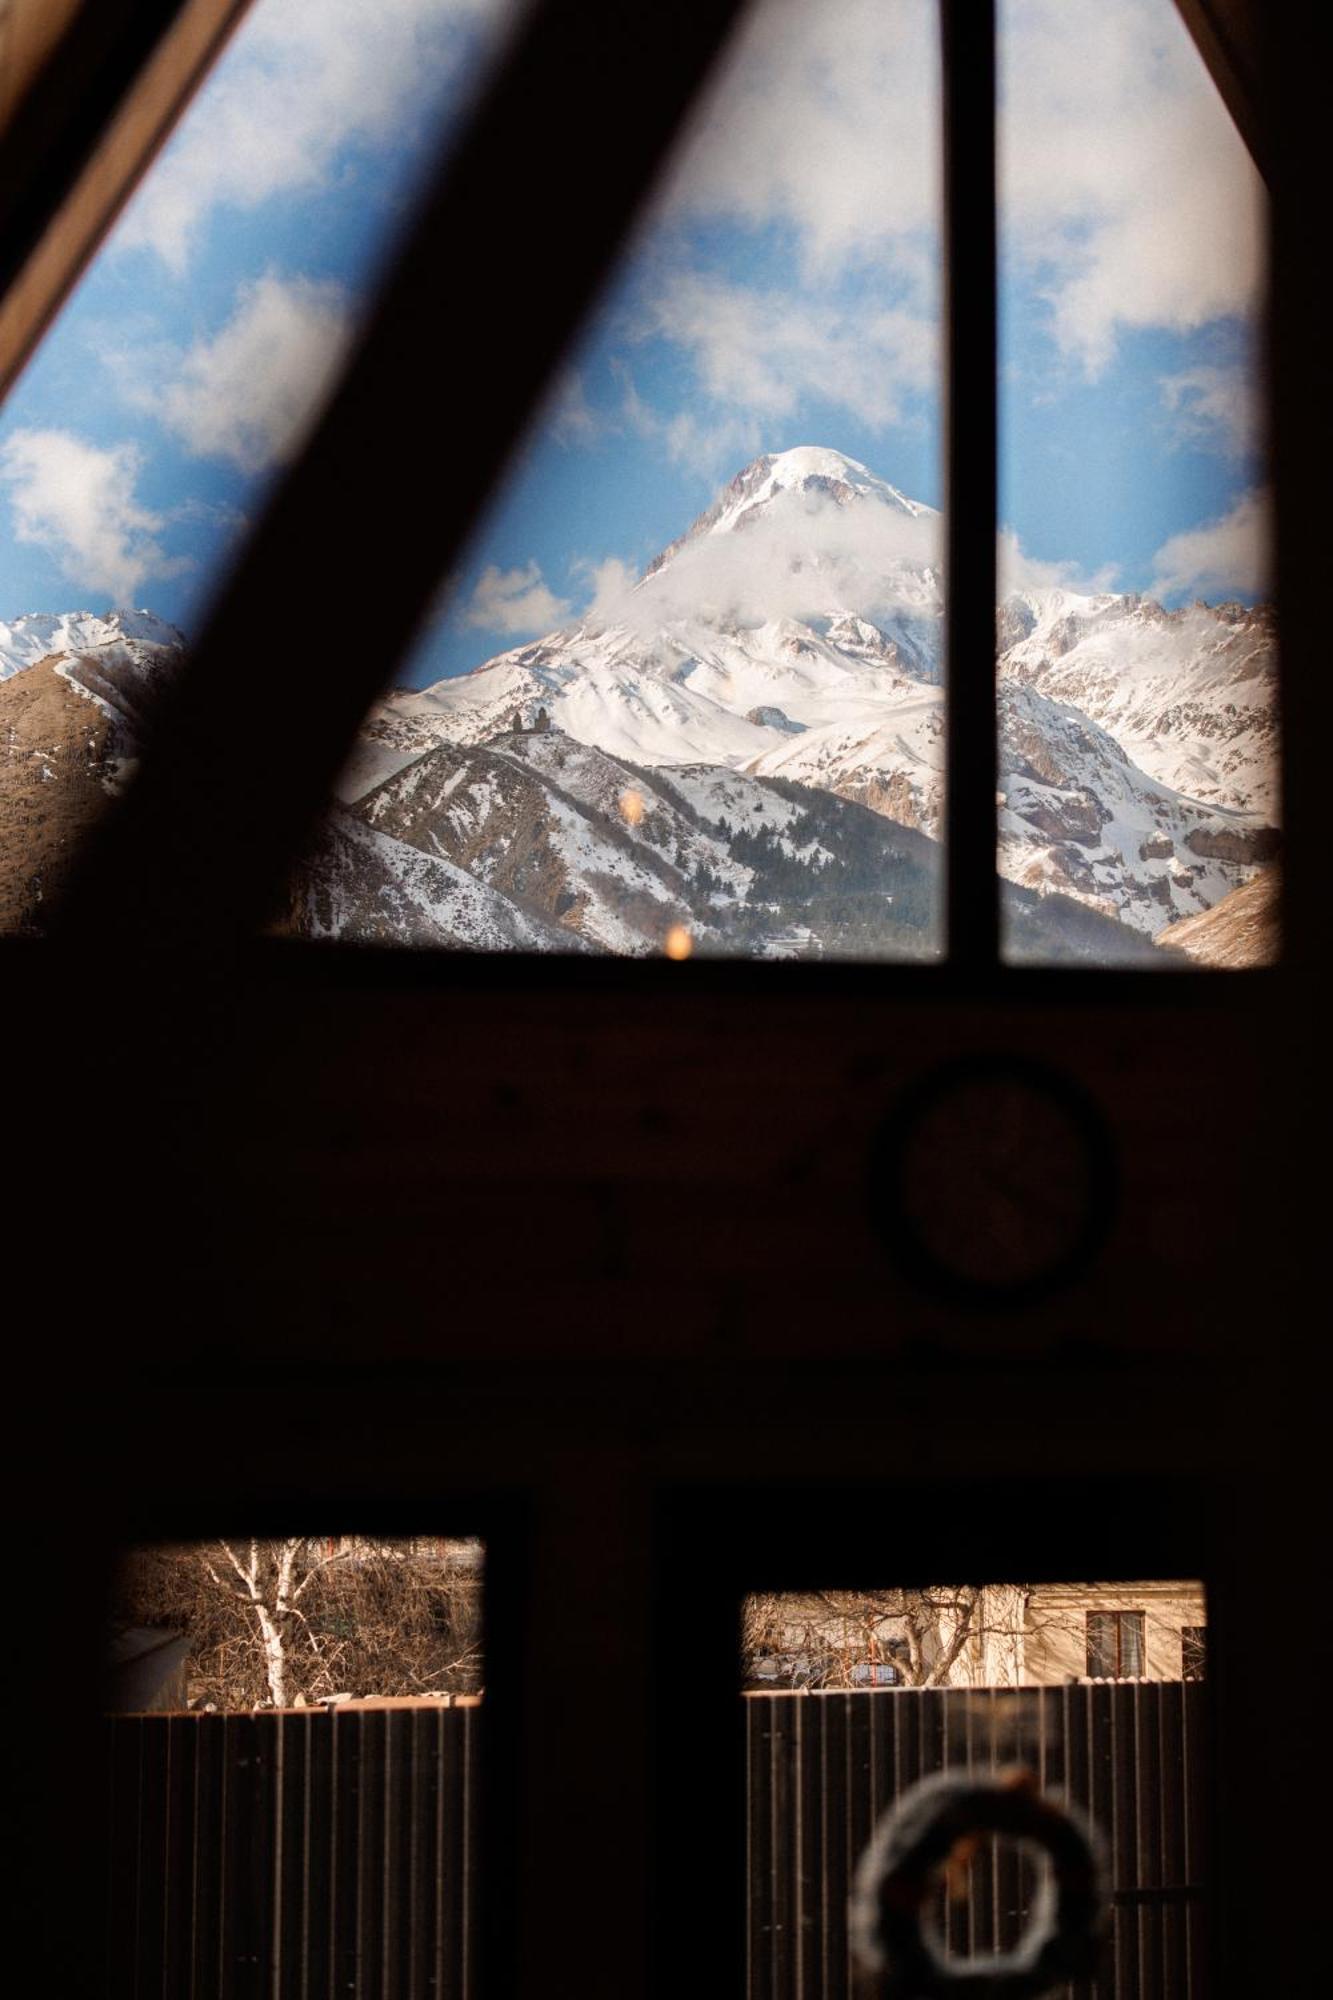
[(33, 637), (806, 478), (814, 470)]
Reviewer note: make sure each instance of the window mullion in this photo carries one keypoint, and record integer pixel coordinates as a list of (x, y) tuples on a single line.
[(972, 904)]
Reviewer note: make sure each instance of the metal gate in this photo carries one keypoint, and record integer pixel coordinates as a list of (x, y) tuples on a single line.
[(821, 1766), (294, 1855)]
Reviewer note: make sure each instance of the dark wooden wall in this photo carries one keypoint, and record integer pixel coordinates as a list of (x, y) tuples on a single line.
[(587, 1262)]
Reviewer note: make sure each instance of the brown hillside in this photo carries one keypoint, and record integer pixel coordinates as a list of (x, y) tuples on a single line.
[(56, 752), (1240, 930)]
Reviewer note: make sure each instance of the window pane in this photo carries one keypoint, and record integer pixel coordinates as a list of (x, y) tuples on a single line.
[(294, 1746), (1103, 1649), (1131, 1643), (683, 694), (1137, 650), (853, 1696), (182, 376)]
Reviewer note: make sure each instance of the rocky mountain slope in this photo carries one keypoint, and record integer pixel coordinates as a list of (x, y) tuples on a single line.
[(744, 748), (72, 691), (1242, 930), (795, 631)]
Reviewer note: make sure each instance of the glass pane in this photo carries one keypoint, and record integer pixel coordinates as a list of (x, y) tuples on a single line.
[(1131, 1644), (1137, 648), (182, 375), (294, 1733), (683, 694), (852, 1697), (1103, 1647)]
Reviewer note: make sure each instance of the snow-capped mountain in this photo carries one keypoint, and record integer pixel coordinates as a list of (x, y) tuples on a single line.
[(72, 694), (746, 743), (81, 633), (1190, 695), (795, 632)]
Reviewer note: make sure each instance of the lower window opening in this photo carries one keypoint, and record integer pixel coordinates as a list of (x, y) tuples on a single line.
[(1090, 1693), (294, 1734)]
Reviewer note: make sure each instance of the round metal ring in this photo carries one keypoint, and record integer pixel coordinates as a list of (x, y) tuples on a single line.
[(901, 1865)]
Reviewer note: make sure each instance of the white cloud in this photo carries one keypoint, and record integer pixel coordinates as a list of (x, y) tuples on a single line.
[(1127, 192), (77, 500), (789, 562), (611, 583), (1125, 186), (1017, 570), (301, 80), (517, 602), (1222, 558), (762, 352), (249, 392), (569, 414), (1219, 408), (824, 117)]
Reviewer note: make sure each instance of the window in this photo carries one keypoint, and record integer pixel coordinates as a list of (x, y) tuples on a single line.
[(1193, 1653), (315, 1703), (903, 1682), (581, 1445), (1138, 648), (1115, 1645), (627, 727)]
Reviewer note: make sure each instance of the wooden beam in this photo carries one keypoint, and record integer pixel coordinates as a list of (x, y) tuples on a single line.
[(511, 246), (90, 95), (1229, 36), (972, 901)]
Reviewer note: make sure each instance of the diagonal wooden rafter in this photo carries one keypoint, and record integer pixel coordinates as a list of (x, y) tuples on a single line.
[(529, 212), (1229, 35), (88, 92), (512, 242)]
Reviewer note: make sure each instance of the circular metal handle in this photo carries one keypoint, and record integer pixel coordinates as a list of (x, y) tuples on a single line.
[(901, 1866)]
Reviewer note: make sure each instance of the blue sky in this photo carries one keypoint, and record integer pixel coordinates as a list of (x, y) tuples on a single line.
[(784, 290)]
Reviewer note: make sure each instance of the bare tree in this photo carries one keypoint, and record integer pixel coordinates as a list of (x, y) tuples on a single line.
[(283, 1623), (271, 1579), (940, 1635)]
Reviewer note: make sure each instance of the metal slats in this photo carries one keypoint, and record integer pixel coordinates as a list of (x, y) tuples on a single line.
[(822, 1766), (293, 1857)]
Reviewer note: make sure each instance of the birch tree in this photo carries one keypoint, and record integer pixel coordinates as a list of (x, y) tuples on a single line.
[(269, 1581), (284, 1623)]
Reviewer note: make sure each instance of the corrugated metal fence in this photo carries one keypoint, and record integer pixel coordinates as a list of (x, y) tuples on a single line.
[(822, 1766), (294, 1856), (303, 1856)]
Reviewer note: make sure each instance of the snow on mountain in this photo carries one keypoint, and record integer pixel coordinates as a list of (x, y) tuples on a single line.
[(811, 473), (795, 632), (785, 650), (1078, 817), (357, 883), (567, 830), (34, 638), (1190, 695)]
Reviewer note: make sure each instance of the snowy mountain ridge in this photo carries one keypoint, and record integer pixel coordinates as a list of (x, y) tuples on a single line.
[(39, 635), (767, 694), (795, 631)]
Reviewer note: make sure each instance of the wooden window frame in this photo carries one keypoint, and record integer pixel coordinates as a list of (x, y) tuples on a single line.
[(1119, 1616), (170, 868), (615, 1483)]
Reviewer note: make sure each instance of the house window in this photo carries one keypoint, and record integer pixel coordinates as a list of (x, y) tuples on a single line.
[(1193, 1652), (1115, 1645)]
